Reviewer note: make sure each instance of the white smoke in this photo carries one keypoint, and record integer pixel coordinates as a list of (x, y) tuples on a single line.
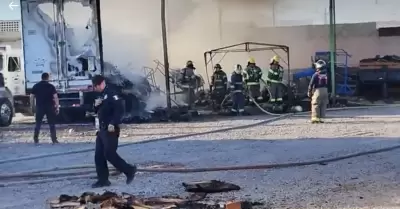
[(154, 99)]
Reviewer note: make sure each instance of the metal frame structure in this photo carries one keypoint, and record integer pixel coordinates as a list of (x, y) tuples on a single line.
[(246, 47)]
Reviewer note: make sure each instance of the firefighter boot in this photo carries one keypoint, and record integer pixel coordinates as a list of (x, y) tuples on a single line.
[(315, 120)]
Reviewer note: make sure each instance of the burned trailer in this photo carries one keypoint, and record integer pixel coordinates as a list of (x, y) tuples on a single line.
[(143, 101), (247, 47), (134, 94)]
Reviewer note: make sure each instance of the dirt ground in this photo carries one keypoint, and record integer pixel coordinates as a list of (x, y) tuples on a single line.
[(370, 181)]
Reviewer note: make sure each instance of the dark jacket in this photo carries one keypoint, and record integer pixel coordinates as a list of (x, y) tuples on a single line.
[(110, 111), (219, 80), (187, 76), (44, 93), (318, 80), (275, 73), (253, 75), (236, 82)]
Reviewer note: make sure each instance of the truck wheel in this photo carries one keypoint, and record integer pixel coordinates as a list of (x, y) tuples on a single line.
[(6, 112)]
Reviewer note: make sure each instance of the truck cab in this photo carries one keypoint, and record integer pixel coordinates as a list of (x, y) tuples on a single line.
[(14, 78), (7, 82), (12, 70)]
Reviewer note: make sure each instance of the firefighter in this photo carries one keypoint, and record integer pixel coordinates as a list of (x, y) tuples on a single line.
[(253, 76), (238, 98), (318, 91), (219, 83), (188, 83), (275, 76)]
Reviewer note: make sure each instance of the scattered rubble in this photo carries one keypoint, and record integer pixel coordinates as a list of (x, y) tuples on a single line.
[(125, 201)]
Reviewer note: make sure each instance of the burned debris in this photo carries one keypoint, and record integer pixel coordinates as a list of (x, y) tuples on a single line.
[(196, 200)]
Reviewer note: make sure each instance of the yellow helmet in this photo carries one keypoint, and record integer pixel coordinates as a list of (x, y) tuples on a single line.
[(275, 58), (252, 60)]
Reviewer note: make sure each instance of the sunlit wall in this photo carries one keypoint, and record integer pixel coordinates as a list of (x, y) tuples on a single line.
[(132, 29)]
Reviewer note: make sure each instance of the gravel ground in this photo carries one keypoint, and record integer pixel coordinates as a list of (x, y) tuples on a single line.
[(365, 182)]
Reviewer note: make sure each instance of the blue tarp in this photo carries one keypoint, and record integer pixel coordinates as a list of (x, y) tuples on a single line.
[(304, 73)]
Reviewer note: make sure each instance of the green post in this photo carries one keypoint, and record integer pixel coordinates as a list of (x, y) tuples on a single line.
[(332, 43)]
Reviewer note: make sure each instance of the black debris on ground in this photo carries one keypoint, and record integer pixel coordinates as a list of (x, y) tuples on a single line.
[(212, 186), (196, 200)]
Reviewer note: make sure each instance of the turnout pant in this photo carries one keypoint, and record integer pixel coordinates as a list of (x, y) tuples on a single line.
[(189, 96), (106, 150), (319, 103), (50, 114), (218, 96), (238, 102), (276, 90), (254, 90)]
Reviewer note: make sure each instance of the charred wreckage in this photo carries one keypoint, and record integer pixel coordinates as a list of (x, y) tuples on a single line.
[(189, 100), (187, 103)]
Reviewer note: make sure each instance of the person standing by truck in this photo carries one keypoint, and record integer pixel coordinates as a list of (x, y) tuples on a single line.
[(44, 95)]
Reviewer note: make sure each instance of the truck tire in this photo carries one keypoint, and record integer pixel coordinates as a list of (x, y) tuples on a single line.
[(6, 112)]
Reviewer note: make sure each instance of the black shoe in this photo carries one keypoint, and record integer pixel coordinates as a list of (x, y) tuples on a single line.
[(36, 141), (99, 184), (131, 175), (55, 141)]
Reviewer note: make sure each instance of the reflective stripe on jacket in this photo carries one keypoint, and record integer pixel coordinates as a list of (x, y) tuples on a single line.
[(236, 82)]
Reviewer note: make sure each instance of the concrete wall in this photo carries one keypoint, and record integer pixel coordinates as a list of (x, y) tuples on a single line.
[(132, 32)]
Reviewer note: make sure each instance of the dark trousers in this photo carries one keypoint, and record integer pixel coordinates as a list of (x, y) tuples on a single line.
[(238, 102), (254, 91), (276, 90), (50, 114), (218, 95), (106, 150), (189, 96)]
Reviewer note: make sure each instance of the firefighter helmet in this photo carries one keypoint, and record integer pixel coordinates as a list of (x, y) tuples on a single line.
[(189, 63), (275, 58), (218, 66), (320, 64), (252, 60)]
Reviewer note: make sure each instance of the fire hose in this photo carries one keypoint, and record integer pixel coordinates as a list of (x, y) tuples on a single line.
[(86, 174), (57, 176)]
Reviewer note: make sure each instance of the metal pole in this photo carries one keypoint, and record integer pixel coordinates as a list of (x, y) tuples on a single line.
[(332, 43), (100, 35), (165, 49), (220, 23)]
